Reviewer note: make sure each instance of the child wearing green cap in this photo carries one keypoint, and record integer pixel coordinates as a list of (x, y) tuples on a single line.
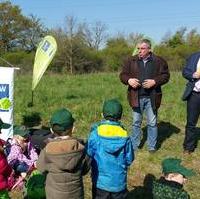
[(21, 155), (111, 151), (35, 186), (170, 186), (63, 159)]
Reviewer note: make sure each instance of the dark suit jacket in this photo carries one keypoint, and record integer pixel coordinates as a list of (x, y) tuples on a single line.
[(188, 70)]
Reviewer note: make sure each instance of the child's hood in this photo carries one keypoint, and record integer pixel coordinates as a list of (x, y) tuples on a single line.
[(64, 154), (112, 145), (112, 136)]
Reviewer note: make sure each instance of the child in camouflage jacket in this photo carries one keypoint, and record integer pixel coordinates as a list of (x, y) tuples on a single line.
[(170, 186)]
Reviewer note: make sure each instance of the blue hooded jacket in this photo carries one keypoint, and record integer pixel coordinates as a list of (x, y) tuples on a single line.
[(111, 151)]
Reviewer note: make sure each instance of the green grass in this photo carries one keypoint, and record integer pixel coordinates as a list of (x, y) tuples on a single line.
[(84, 96)]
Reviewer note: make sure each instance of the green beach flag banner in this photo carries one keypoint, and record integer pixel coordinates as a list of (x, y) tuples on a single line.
[(6, 99), (43, 57)]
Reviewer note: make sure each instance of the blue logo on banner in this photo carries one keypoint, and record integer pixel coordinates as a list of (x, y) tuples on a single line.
[(46, 46), (4, 92)]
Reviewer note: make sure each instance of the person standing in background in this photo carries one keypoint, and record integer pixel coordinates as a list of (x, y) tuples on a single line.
[(144, 74), (191, 72)]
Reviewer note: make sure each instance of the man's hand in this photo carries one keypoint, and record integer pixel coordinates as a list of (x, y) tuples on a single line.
[(148, 83), (196, 75), (133, 82)]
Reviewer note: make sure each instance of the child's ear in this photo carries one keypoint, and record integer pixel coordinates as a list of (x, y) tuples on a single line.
[(102, 115), (70, 131)]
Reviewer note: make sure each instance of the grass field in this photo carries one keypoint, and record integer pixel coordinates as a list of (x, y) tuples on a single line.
[(84, 95)]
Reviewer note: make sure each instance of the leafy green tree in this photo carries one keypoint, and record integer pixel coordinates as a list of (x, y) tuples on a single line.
[(32, 33), (11, 21), (193, 40), (177, 39), (176, 48), (116, 50), (18, 31)]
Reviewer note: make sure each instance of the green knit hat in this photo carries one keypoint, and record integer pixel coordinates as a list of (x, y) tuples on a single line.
[(63, 119), (35, 185), (112, 109), (173, 165), (20, 130), (4, 125)]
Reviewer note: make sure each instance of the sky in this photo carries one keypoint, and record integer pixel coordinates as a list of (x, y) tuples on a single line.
[(154, 18)]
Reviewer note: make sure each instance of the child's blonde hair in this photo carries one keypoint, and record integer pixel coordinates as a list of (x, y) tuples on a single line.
[(21, 140)]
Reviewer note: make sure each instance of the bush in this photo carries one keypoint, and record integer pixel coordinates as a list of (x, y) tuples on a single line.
[(20, 59)]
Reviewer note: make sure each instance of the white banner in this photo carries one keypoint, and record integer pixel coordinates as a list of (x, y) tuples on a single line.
[(6, 99)]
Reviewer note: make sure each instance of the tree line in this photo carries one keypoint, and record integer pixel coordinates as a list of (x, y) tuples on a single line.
[(82, 47)]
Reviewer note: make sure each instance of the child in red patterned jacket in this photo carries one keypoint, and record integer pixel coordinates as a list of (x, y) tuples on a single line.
[(5, 169)]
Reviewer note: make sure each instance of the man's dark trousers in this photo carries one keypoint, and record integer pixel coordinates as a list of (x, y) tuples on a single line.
[(193, 112)]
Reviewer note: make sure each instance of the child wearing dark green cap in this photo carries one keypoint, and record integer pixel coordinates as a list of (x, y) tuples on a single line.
[(63, 159), (35, 186), (170, 186), (22, 155), (111, 151)]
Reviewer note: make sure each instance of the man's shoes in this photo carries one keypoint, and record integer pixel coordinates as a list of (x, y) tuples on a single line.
[(152, 151), (187, 152)]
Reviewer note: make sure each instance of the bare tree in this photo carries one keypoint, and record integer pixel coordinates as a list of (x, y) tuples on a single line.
[(74, 43), (71, 22), (71, 45), (95, 35), (133, 39)]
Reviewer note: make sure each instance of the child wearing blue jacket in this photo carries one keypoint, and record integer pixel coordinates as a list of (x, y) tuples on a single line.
[(111, 151)]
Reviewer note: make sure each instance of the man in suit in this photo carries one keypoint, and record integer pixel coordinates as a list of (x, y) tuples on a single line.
[(191, 72)]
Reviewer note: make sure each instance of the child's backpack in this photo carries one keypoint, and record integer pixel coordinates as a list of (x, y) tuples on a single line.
[(35, 186), (39, 138)]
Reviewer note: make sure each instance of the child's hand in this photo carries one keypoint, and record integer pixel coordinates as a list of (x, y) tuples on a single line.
[(23, 175), (196, 75), (35, 164)]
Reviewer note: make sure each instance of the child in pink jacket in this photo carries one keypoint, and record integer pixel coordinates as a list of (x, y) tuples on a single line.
[(22, 155)]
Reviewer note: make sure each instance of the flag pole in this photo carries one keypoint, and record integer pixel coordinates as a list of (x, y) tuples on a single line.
[(32, 97), (30, 104)]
